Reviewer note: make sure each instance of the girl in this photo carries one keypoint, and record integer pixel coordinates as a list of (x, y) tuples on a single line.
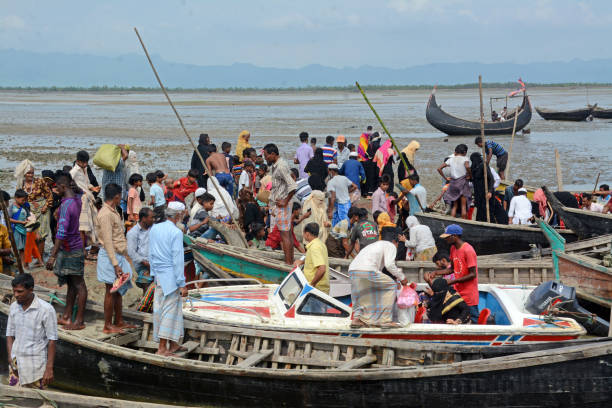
[(134, 204), (19, 212)]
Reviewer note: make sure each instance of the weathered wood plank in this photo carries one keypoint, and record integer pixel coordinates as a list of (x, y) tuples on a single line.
[(255, 358), (189, 347), (358, 362)]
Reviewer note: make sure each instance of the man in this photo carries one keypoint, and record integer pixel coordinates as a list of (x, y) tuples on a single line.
[(501, 155), (118, 177), (316, 264), (87, 226), (504, 113), (69, 253), (343, 152), (372, 291), (330, 155), (138, 248), (303, 154), (218, 166), (167, 262), (353, 170), (339, 189), (283, 189), (112, 261), (363, 230), (196, 163), (521, 211), (464, 266), (417, 196), (31, 333), (511, 191), (303, 189), (186, 185)]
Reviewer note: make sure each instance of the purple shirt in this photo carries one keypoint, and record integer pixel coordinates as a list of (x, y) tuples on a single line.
[(303, 154), (68, 224)]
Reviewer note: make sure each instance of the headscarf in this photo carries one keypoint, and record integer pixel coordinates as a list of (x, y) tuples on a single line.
[(476, 160), (382, 156), (540, 198), (443, 300), (412, 221), (242, 143), (317, 203), (384, 220), (21, 170), (410, 150), (362, 149), (219, 210)]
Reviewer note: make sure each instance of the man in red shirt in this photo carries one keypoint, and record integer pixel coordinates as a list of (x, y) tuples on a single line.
[(465, 267), (186, 185)]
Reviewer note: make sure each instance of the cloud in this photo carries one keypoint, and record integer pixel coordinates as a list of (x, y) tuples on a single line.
[(12, 23)]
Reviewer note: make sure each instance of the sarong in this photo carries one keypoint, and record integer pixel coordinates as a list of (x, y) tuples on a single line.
[(340, 212), (373, 296), (282, 218), (458, 188), (44, 230), (69, 263), (87, 219), (13, 377), (106, 272), (167, 316), (426, 255)]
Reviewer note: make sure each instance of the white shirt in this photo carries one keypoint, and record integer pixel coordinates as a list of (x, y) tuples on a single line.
[(520, 209), (421, 238), (457, 166), (166, 256), (194, 210), (495, 177), (340, 185), (376, 256), (343, 155), (32, 329), (596, 207), (244, 180)]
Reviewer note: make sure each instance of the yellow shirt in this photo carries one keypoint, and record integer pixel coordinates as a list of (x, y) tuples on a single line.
[(316, 255), (5, 243)]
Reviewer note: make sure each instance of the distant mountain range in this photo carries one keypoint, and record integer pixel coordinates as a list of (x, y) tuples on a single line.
[(31, 69)]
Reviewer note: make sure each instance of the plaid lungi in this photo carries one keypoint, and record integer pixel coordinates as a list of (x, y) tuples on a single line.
[(373, 296), (167, 315), (282, 218), (426, 255), (69, 263)]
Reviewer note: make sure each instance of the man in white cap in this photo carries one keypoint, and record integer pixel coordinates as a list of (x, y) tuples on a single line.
[(520, 211), (197, 205), (353, 170), (167, 259), (339, 189)]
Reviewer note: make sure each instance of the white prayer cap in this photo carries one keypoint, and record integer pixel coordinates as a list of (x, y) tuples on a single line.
[(353, 154), (200, 192), (522, 190), (176, 206)]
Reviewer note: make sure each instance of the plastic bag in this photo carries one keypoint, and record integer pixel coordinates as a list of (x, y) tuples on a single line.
[(107, 157), (407, 297)]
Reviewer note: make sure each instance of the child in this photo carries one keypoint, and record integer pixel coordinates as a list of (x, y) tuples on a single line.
[(158, 200), (19, 212), (134, 204), (459, 192), (245, 180), (351, 148), (257, 236), (160, 177), (392, 205), (198, 226), (379, 198), (186, 185), (313, 143), (168, 186), (226, 147)]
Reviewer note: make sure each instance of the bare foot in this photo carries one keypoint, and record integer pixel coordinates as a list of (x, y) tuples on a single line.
[(166, 353), (176, 348), (74, 326), (112, 329), (63, 321), (125, 325)]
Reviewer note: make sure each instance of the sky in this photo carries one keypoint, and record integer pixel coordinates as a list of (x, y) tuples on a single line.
[(337, 33)]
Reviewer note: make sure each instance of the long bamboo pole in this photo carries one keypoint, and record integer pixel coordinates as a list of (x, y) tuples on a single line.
[(7, 220), (484, 149), (596, 182), (559, 174), (195, 148), (511, 143)]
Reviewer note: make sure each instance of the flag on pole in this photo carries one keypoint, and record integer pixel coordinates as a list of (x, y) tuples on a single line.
[(520, 81)]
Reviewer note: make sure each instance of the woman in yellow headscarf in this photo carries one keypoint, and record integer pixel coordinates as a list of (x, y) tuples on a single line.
[(408, 154), (243, 143)]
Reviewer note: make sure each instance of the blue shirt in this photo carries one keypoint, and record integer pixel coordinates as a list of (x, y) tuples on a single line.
[(157, 193), (138, 244), (353, 170), (495, 148), (117, 177), (329, 154), (166, 256)]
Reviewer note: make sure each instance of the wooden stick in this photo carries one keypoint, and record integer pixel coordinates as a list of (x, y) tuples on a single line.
[(596, 182), (195, 148), (511, 143), (7, 220), (559, 175), (484, 149)]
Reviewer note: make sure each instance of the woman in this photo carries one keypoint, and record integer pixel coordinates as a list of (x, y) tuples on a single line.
[(384, 220), (446, 305), (317, 169), (316, 205), (40, 199), (249, 211), (243, 143), (408, 155), (384, 159), (421, 240), (496, 211), (371, 171)]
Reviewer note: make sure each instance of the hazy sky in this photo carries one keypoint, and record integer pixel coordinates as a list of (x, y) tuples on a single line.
[(392, 33)]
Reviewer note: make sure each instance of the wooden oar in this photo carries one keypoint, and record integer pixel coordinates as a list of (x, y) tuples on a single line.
[(195, 148), (7, 220), (484, 148)]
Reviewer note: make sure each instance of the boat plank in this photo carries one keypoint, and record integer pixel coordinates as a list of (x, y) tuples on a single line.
[(255, 358), (358, 362)]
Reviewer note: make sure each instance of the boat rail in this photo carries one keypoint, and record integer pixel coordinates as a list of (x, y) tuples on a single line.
[(253, 280), (191, 298)]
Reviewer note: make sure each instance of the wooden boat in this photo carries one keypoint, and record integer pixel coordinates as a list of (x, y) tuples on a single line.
[(575, 115), (506, 183), (269, 267), (223, 366), (488, 238), (601, 113), (454, 126), (583, 222)]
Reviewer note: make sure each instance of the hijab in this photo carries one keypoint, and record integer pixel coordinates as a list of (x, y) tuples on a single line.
[(21, 170), (412, 221), (219, 210), (384, 220), (540, 198), (410, 150), (382, 156), (317, 203), (476, 160), (242, 143), (362, 149), (442, 301)]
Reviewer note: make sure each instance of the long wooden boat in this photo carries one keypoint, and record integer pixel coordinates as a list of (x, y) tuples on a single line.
[(575, 115), (256, 368), (601, 113), (583, 222), (488, 238), (454, 126)]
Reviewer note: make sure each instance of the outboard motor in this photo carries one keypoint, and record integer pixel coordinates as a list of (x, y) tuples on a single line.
[(550, 293)]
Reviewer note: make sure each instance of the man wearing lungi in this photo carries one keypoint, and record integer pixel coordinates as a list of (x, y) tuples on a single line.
[(167, 259)]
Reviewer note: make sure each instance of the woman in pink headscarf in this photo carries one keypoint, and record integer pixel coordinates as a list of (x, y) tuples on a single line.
[(384, 160)]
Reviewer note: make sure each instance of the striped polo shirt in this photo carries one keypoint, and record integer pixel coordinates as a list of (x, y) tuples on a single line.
[(495, 148), (329, 154)]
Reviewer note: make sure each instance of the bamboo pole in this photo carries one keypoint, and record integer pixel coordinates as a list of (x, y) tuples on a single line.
[(195, 148), (484, 149), (511, 143), (596, 182), (7, 220), (559, 175)]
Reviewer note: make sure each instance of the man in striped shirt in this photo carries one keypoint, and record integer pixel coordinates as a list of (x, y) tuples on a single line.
[(496, 149), (330, 155)]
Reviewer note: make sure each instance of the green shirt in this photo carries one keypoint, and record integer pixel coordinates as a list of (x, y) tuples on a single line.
[(316, 255)]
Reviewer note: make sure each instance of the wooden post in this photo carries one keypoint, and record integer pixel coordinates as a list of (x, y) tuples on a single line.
[(596, 182), (559, 175), (484, 150), (511, 144), (195, 148), (7, 220)]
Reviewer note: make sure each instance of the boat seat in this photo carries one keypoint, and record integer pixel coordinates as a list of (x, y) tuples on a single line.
[(484, 316)]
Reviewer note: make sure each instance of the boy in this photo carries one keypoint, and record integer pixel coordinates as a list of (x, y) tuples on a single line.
[(246, 177), (134, 204), (19, 212), (379, 198), (158, 200), (226, 148), (198, 226), (459, 192), (186, 185)]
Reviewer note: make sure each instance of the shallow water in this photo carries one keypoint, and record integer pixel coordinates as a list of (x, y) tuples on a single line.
[(49, 128)]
